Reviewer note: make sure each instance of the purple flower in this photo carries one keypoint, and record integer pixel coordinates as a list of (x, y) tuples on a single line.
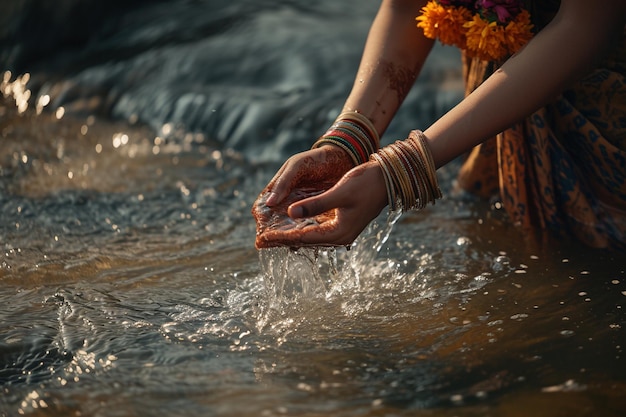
[(470, 4), (505, 10)]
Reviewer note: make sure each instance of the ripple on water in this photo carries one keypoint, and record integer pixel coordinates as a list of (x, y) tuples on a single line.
[(134, 283)]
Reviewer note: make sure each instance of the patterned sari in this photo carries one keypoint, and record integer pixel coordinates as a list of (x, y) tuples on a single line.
[(563, 168)]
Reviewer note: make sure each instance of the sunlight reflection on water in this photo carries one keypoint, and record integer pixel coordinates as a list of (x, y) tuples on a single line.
[(131, 286)]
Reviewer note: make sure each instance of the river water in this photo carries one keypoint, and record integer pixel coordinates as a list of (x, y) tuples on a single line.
[(134, 142)]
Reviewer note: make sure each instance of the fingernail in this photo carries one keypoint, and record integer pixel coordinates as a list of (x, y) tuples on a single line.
[(297, 212), (271, 199)]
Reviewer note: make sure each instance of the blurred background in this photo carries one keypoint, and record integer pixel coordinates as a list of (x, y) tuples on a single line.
[(261, 77)]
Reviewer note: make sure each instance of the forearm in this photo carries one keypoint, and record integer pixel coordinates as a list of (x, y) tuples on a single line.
[(394, 53), (556, 57)]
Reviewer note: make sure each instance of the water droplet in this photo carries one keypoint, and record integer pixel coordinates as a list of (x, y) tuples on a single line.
[(457, 398)]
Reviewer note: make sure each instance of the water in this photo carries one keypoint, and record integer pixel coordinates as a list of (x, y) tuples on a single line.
[(130, 285)]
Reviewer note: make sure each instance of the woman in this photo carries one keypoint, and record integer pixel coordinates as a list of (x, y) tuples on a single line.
[(546, 128)]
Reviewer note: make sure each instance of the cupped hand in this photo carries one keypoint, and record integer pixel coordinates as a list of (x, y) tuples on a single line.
[(316, 168), (303, 175), (334, 217)]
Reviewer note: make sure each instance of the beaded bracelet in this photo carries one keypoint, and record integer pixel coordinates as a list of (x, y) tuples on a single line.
[(409, 172), (354, 133)]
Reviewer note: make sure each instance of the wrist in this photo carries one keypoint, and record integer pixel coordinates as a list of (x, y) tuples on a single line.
[(355, 134), (409, 172)]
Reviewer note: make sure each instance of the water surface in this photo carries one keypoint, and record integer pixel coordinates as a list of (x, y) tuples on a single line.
[(130, 285)]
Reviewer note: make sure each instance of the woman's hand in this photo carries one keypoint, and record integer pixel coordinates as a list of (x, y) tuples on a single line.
[(303, 175), (335, 217), (313, 168)]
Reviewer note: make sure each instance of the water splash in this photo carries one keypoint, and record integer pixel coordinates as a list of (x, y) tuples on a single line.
[(294, 278), (369, 245)]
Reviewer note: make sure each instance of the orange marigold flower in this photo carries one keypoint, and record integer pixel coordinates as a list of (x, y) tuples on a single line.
[(480, 34), (485, 40), (518, 31), (444, 23)]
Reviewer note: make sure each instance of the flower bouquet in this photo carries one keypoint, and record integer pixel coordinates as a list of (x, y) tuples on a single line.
[(490, 30)]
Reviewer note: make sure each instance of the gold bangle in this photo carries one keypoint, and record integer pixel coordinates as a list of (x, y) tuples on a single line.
[(409, 171)]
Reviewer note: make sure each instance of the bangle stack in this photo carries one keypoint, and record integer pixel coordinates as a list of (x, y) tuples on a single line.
[(355, 134), (409, 172)]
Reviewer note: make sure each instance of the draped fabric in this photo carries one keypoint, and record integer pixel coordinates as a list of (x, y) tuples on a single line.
[(562, 168)]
